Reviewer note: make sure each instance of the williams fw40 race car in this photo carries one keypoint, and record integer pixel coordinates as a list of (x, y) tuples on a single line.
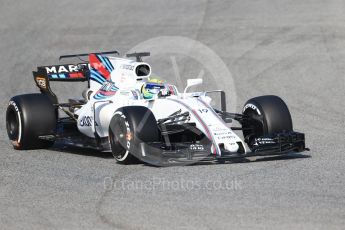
[(136, 117)]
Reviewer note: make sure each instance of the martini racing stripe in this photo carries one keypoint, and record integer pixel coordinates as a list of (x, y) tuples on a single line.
[(98, 65), (108, 89), (97, 76), (99, 96), (104, 94), (76, 75), (109, 63), (58, 76), (105, 62)]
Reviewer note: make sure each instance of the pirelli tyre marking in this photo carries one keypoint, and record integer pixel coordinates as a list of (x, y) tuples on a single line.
[(17, 142), (128, 136), (253, 107)]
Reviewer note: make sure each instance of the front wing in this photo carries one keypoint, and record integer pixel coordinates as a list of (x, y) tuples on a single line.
[(277, 144)]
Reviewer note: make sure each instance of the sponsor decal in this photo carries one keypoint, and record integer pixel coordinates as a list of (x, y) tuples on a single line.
[(17, 142), (71, 68), (223, 133), (127, 67), (264, 141), (196, 147), (124, 93), (41, 81), (253, 107), (14, 105), (219, 128), (86, 121), (109, 86), (224, 137), (108, 89)]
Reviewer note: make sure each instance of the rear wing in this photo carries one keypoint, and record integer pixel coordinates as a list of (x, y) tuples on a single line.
[(67, 72)]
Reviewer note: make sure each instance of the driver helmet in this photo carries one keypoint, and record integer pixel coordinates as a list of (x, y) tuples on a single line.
[(151, 88)]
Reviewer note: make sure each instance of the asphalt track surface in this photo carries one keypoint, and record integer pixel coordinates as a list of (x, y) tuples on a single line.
[(293, 49)]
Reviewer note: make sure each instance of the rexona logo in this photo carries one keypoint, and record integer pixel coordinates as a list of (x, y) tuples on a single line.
[(55, 69), (86, 121), (41, 81)]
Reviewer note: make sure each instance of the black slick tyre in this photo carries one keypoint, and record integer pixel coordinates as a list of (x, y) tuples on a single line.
[(129, 128), (268, 115), (30, 118)]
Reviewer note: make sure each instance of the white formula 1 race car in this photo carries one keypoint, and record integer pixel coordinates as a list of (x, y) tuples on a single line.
[(139, 118)]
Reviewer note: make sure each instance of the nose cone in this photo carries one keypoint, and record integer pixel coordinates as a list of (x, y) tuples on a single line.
[(231, 147)]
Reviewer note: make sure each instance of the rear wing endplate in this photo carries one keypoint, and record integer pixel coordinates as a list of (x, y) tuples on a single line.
[(65, 73)]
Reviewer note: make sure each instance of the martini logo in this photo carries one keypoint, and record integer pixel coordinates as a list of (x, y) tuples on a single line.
[(56, 69)]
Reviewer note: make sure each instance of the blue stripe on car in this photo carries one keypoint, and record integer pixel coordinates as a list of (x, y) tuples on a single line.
[(97, 77), (98, 74), (109, 63), (104, 62), (99, 96)]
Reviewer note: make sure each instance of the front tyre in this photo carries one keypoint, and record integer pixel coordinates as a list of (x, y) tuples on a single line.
[(129, 128), (30, 117), (267, 115), (120, 139)]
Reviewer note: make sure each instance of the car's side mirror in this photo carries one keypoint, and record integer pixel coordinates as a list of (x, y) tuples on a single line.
[(192, 82)]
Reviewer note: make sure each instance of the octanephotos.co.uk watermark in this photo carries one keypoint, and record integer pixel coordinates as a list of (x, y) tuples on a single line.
[(164, 184)]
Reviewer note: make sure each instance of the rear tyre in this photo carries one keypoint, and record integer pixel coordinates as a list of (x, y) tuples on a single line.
[(29, 117), (129, 127), (268, 115)]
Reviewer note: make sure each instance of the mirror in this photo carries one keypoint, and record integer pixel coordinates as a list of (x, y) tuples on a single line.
[(192, 82)]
